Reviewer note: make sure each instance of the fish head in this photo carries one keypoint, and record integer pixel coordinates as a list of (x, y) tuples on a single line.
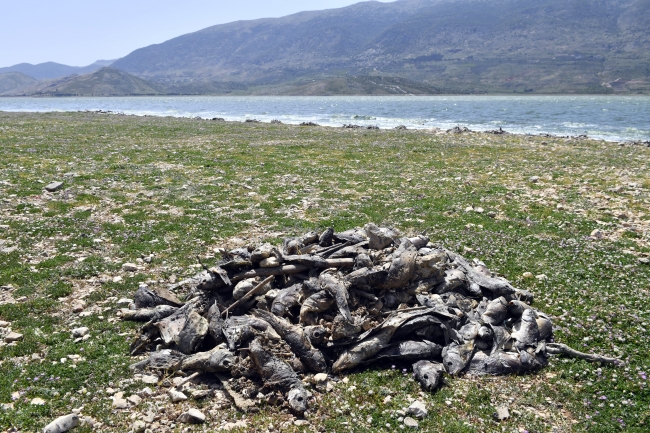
[(223, 360), (298, 398), (428, 374)]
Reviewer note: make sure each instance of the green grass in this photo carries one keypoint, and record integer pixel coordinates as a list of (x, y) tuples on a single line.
[(180, 188)]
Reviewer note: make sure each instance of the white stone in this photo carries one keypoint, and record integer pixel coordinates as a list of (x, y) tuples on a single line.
[(418, 409), (80, 332), (139, 426), (37, 401), (120, 403), (62, 424), (270, 262), (502, 413), (129, 267), (410, 422), (320, 379), (176, 396), (149, 379), (192, 416), (135, 399), (123, 302), (13, 336)]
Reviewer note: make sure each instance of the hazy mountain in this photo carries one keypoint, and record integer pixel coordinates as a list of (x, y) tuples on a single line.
[(104, 82), (448, 45), (14, 82), (50, 70)]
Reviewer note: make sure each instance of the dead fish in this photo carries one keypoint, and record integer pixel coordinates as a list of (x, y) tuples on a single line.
[(349, 251), (516, 308), (362, 261), (317, 334), (501, 339), (402, 266), (297, 340), (309, 238), (336, 286), (242, 252), (411, 327), (264, 251), (277, 373), (245, 286), (428, 374), (215, 324), (497, 364), (285, 300), (469, 331), (316, 303), (497, 285), (408, 351), (292, 246), (326, 238), (354, 235), (454, 279), (238, 329), (496, 311), (367, 277), (419, 241), (342, 328), (371, 342), (455, 357), (545, 325), (526, 331), (184, 330), (147, 298), (165, 359), (379, 238), (215, 360), (148, 314), (212, 279)]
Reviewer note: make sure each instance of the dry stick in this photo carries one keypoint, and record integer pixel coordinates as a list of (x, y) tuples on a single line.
[(187, 379), (563, 349), (248, 295), (290, 269)]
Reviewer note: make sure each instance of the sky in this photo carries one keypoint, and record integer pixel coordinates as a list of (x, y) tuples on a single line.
[(79, 32)]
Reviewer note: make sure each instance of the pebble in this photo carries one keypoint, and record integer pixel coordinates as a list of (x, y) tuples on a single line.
[(176, 396), (62, 424), (410, 422), (135, 399), (320, 379), (13, 336), (149, 379), (418, 409), (54, 186), (388, 399), (502, 413), (120, 403), (644, 260), (129, 267), (80, 332), (123, 302), (78, 305), (534, 179), (541, 277), (192, 416), (528, 275), (139, 426), (597, 233), (37, 401)]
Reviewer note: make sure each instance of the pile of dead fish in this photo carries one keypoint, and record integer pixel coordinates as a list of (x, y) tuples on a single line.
[(334, 302)]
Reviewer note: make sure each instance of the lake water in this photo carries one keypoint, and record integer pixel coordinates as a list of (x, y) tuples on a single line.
[(614, 118)]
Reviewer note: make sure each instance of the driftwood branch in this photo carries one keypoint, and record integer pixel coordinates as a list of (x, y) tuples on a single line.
[(563, 349), (290, 269), (248, 295)]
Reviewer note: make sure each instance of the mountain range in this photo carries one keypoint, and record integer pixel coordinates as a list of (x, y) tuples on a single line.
[(407, 46)]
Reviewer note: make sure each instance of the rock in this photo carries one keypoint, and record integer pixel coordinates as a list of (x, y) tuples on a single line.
[(388, 399), (176, 396), (644, 260), (124, 302), (129, 267), (120, 403), (541, 277), (528, 275), (78, 305), (533, 179), (149, 379), (502, 413), (37, 401), (198, 394), (320, 379), (13, 336), (410, 422), (233, 425), (418, 409), (139, 426), (379, 238), (270, 262), (62, 424), (192, 416), (135, 400), (54, 186), (597, 233), (80, 332)]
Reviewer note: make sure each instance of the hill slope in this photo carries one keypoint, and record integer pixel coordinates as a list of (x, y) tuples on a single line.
[(104, 82), (452, 45), (51, 70), (12, 82)]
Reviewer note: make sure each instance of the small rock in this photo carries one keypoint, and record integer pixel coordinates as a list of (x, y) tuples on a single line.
[(62, 424), (4, 324), (124, 302), (139, 426), (320, 379), (117, 279), (528, 275), (192, 416), (54, 186), (13, 336), (541, 277), (534, 179), (198, 394), (597, 233), (234, 425), (149, 379), (270, 262), (129, 267), (388, 399), (176, 396), (120, 403), (78, 305), (80, 332), (37, 401), (418, 409), (502, 413), (135, 399), (644, 260), (410, 422), (300, 422)]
